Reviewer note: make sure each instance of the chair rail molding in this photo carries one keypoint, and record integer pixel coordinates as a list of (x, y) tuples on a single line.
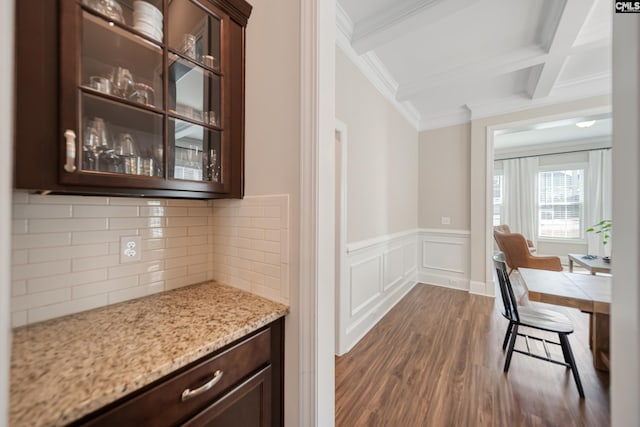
[(379, 273), (443, 258)]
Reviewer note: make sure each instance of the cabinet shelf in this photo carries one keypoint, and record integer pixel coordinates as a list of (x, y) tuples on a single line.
[(117, 99)]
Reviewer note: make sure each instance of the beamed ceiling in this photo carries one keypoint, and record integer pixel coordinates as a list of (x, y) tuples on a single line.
[(443, 62)]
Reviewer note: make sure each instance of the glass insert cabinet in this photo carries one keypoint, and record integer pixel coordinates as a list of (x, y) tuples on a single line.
[(148, 96)]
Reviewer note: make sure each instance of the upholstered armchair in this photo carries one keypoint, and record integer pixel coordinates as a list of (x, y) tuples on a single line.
[(504, 228), (516, 252)]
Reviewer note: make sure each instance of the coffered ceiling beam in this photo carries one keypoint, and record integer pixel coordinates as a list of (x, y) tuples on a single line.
[(400, 19), (522, 59), (574, 15)]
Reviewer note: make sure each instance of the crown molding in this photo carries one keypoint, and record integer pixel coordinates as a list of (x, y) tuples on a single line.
[(401, 18), (373, 69)]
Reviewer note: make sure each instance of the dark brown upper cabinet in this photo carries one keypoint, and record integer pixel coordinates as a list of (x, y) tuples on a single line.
[(131, 97)]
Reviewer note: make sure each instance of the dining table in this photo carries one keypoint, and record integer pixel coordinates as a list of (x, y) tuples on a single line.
[(588, 293)]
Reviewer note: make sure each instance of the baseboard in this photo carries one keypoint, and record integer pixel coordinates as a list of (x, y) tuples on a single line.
[(479, 288), (443, 280)]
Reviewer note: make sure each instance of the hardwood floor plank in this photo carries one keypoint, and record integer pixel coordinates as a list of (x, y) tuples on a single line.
[(436, 359)]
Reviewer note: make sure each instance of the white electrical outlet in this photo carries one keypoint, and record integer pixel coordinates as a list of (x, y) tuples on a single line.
[(445, 220), (130, 249)]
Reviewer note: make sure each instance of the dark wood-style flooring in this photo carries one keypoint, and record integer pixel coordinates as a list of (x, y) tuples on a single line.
[(436, 360)]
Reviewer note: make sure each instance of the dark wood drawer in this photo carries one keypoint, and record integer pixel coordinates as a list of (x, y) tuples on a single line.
[(247, 405), (163, 405)]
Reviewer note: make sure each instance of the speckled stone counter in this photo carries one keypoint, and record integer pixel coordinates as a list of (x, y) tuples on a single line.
[(68, 367)]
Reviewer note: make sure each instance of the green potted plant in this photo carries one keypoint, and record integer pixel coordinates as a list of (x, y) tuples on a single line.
[(604, 228)]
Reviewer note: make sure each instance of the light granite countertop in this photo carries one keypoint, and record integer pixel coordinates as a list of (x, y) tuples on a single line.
[(68, 367)]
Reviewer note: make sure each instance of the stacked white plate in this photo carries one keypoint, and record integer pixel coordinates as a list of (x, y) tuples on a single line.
[(147, 19)]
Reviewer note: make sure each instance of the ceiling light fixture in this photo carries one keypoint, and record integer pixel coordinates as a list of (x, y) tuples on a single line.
[(585, 124)]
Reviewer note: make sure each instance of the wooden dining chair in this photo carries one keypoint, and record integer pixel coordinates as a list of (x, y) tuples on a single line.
[(534, 318)]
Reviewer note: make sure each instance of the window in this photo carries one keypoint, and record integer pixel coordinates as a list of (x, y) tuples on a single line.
[(561, 204), (498, 191)]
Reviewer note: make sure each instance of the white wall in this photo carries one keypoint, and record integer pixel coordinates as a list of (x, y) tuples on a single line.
[(625, 310), (6, 138), (382, 152), (443, 190), (382, 205)]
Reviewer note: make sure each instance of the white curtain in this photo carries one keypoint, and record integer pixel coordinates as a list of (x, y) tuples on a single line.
[(520, 196), (598, 198)]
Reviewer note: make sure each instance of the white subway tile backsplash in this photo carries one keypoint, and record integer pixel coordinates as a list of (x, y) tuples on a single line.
[(265, 246), (20, 197), (68, 200), (19, 257), (125, 270), (189, 279), (19, 226), (266, 269), (43, 284), (163, 232), (19, 318), (66, 249), (149, 244), (125, 201), (18, 287), (164, 253), (137, 292), (163, 211), (252, 233), (27, 301), (124, 223), (70, 224), (41, 240), (187, 221), (41, 211), (272, 259), (105, 211), (43, 269), (266, 223), (202, 211), (93, 263), (250, 242), (86, 237), (47, 312), (272, 235), (272, 212), (251, 254), (104, 287), (252, 211), (67, 252)]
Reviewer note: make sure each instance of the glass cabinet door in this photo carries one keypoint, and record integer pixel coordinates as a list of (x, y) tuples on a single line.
[(194, 94), (121, 84)]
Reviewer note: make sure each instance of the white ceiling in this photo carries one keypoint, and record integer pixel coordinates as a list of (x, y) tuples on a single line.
[(555, 136), (443, 62)]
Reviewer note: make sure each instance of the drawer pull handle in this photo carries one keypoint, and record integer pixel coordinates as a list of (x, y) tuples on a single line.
[(189, 394)]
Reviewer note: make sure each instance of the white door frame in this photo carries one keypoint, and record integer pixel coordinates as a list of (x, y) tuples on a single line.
[(6, 179), (341, 309), (489, 150), (317, 213)]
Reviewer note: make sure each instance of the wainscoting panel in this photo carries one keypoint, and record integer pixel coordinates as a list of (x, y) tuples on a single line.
[(444, 258), (393, 267), (374, 275), (365, 283)]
